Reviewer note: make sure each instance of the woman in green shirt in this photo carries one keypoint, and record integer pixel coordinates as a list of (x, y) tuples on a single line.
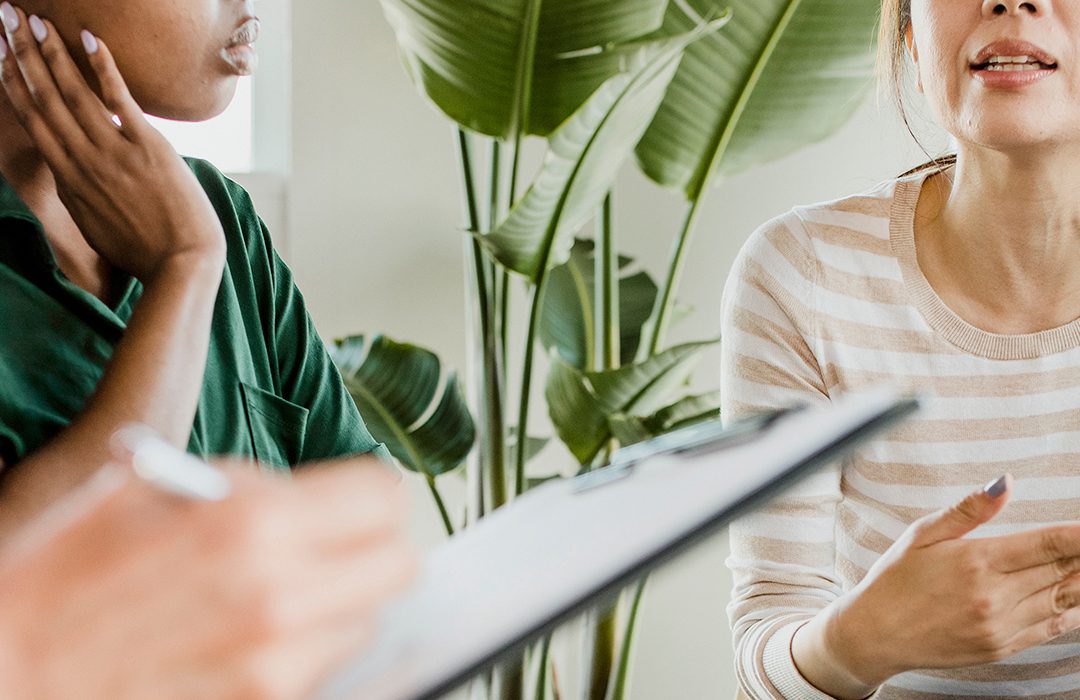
[(135, 286)]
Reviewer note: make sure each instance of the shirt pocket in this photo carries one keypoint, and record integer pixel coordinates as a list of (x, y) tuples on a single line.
[(277, 427)]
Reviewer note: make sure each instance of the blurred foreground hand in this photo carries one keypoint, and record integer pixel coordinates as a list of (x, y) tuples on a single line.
[(126, 593)]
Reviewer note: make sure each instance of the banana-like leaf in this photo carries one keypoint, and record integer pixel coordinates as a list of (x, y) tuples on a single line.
[(693, 409), (782, 74), (583, 158), (533, 446), (581, 403), (408, 402), (568, 318), (469, 57)]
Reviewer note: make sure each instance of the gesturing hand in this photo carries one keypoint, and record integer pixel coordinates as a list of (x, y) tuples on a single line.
[(132, 197), (935, 600)]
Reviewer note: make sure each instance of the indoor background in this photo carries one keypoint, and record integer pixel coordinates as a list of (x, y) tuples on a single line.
[(356, 176)]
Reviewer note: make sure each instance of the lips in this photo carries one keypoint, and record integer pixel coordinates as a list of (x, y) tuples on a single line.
[(1012, 64), (239, 54), (1012, 52), (247, 33)]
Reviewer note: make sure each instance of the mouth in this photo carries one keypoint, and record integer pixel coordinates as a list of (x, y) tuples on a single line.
[(240, 53), (1012, 62)]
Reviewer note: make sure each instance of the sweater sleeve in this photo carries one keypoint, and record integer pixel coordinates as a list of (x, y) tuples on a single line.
[(782, 556)]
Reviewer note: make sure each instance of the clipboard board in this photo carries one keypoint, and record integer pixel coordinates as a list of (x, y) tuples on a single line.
[(569, 545)]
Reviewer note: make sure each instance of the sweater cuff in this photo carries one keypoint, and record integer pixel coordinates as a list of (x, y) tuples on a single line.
[(780, 669)]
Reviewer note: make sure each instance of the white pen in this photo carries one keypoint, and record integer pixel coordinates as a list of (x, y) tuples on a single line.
[(162, 465)]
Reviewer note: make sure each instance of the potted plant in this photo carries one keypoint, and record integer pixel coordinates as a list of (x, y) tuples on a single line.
[(693, 90)]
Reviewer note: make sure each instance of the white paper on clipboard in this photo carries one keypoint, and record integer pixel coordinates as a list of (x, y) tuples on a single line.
[(561, 548)]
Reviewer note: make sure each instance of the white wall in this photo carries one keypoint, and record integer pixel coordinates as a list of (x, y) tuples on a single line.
[(373, 239)]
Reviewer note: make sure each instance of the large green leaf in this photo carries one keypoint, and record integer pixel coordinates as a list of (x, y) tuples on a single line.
[(583, 158), (408, 402), (567, 321), (470, 57), (692, 409), (582, 403), (782, 74)]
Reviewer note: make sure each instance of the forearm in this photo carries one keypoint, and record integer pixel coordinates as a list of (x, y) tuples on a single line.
[(154, 378)]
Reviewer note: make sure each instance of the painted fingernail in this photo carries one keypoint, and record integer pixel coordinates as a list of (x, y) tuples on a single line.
[(38, 28), (997, 487), (89, 42), (11, 17)]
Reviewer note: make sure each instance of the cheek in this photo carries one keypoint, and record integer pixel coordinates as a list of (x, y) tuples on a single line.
[(179, 86)]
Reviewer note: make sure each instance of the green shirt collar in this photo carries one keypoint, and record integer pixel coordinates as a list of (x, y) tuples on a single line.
[(25, 250), (11, 207)]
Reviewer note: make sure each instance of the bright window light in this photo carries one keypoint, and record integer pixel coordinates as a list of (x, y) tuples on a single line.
[(226, 140)]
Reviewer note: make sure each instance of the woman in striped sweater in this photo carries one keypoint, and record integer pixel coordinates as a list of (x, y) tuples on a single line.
[(893, 573)]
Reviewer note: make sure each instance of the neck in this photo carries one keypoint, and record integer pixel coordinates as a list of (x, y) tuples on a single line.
[(21, 163), (1001, 235), (24, 168)]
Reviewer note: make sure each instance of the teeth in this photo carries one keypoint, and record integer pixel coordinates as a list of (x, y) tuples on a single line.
[(1012, 67), (1012, 59)]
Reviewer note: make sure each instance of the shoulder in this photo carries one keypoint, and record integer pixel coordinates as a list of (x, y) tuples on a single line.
[(225, 193), (245, 234), (794, 245)]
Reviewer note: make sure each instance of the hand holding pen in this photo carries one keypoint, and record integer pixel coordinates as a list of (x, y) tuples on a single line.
[(254, 586)]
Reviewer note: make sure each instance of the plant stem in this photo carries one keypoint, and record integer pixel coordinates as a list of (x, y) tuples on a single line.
[(493, 437), (542, 674), (512, 680), (621, 681), (603, 655), (535, 305), (495, 203), (447, 522), (476, 482), (607, 288), (666, 302), (524, 85), (493, 395)]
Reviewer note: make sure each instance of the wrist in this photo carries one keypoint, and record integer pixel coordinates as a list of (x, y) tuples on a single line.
[(829, 656), (202, 265)]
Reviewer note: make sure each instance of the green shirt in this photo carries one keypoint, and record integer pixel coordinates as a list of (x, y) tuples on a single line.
[(270, 392)]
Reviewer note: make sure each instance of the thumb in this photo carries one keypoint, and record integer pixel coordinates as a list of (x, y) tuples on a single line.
[(977, 508)]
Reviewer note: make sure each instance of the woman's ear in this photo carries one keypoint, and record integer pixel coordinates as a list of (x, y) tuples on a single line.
[(913, 52)]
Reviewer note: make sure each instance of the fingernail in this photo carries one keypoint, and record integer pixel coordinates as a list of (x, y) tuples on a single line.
[(3, 49), (38, 28), (89, 42), (997, 487), (11, 17)]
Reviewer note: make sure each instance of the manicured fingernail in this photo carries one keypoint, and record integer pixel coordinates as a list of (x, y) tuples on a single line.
[(997, 487), (11, 17), (38, 28), (3, 49), (89, 42)]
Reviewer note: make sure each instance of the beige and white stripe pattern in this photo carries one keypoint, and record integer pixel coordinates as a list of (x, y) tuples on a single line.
[(828, 299)]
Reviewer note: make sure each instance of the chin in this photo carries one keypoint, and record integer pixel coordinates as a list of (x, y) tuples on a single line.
[(206, 105), (1012, 131)]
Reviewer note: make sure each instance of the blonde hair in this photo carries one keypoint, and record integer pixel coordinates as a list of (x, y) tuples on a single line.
[(892, 49), (892, 60)]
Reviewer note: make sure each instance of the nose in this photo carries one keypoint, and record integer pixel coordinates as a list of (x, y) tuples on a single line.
[(1014, 7)]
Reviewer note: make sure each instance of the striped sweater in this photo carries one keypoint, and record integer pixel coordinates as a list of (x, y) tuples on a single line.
[(828, 299)]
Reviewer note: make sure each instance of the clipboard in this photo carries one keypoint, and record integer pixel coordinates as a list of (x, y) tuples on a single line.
[(569, 545)]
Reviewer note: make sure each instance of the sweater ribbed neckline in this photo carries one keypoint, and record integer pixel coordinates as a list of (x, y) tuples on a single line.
[(944, 320)]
